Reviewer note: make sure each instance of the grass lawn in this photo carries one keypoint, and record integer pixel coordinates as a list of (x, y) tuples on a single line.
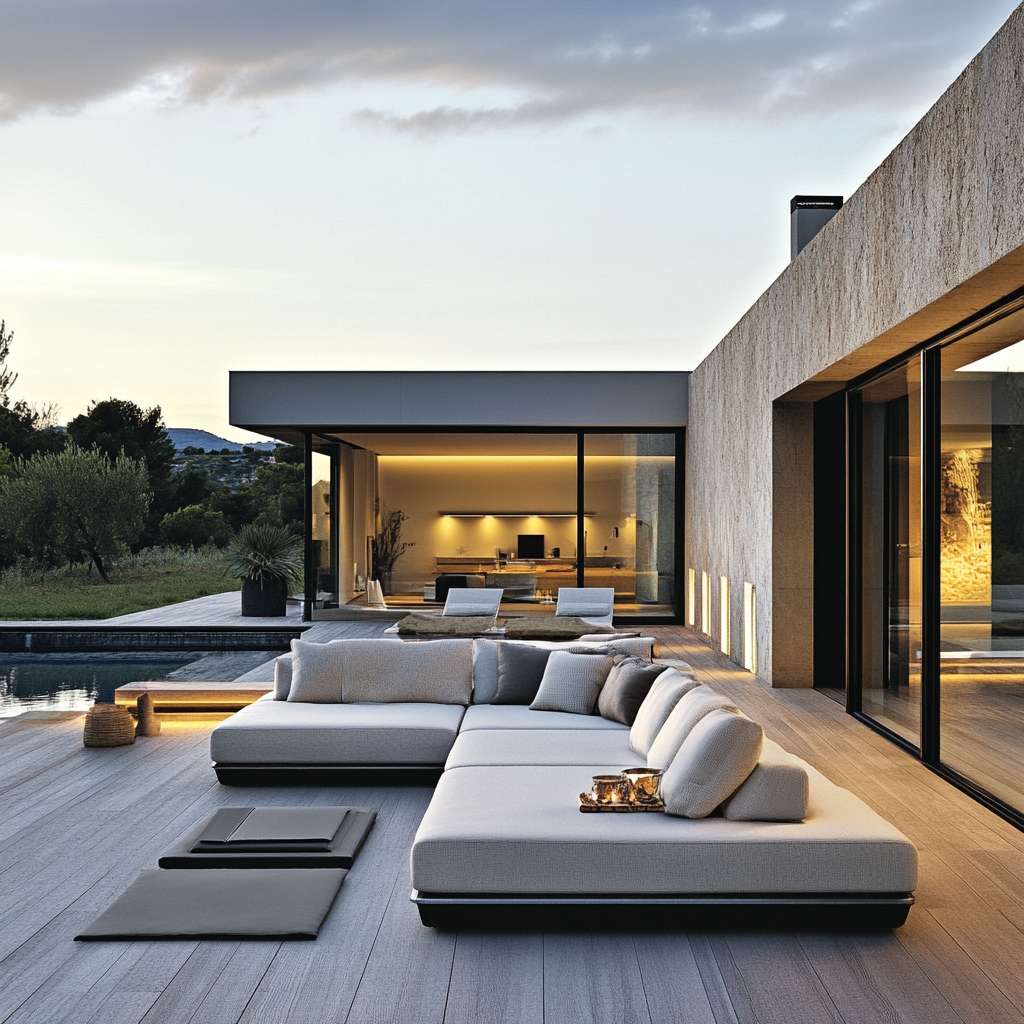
[(77, 596)]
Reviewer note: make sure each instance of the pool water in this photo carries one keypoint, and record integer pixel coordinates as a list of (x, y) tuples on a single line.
[(73, 682)]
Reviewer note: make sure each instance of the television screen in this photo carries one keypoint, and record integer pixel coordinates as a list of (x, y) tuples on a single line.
[(530, 545)]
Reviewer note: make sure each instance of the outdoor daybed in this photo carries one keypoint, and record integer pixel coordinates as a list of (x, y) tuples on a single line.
[(503, 835)]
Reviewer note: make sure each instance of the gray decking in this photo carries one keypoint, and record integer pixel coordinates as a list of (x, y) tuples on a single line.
[(76, 825)]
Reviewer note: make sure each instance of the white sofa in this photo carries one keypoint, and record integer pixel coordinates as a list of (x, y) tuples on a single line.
[(503, 834)]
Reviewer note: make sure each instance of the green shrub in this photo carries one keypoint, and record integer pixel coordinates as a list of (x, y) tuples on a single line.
[(194, 526)]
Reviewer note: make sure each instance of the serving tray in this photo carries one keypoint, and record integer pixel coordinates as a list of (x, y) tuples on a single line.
[(588, 805)]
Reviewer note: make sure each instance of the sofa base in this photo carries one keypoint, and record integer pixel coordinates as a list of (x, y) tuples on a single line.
[(640, 913), (327, 774)]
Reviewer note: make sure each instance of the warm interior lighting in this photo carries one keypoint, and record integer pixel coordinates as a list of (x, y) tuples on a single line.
[(691, 596), (1007, 360), (723, 612), (705, 603), (512, 515), (750, 627)]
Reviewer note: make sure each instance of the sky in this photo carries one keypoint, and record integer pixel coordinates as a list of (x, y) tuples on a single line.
[(189, 187)]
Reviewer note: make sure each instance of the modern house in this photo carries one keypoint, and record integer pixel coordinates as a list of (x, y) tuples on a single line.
[(834, 497)]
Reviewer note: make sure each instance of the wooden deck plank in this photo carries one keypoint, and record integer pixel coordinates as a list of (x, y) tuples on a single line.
[(494, 980)]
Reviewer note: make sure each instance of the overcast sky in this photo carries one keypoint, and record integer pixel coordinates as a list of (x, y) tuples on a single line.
[(190, 186)]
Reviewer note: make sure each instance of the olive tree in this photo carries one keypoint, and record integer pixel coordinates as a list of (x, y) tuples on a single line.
[(76, 505)]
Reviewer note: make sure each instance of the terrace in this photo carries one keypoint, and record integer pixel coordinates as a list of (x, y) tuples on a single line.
[(99, 816)]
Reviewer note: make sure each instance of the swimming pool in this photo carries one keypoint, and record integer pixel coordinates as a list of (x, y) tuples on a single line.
[(74, 681)]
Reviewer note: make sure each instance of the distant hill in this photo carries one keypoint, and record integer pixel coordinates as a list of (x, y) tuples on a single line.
[(187, 437)]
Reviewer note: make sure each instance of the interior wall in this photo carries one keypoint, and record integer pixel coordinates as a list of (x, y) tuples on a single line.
[(934, 235)]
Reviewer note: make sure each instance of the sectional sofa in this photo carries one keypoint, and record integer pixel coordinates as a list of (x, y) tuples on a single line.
[(503, 835)]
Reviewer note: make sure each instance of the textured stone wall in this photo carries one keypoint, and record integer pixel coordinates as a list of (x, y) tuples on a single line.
[(935, 234)]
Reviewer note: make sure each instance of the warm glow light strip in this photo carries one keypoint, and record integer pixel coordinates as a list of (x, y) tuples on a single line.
[(723, 613), (513, 515), (691, 596), (750, 627), (705, 603)]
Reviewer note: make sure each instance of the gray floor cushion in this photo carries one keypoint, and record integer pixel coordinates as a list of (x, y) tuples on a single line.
[(542, 746), (518, 831), (238, 904), (341, 852), (286, 732), (511, 716)]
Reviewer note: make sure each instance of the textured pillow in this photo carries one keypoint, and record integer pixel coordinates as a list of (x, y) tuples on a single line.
[(397, 671), (282, 677), (624, 690), (520, 670), (316, 672), (692, 707), (572, 682), (714, 761), (777, 790), (657, 706)]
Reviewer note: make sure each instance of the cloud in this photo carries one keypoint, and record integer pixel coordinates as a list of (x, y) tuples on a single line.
[(562, 61)]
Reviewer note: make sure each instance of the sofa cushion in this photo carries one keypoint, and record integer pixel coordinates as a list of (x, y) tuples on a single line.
[(714, 761), (533, 840), (316, 672), (282, 677), (572, 682), (777, 789), (596, 747), (657, 706), (515, 716), (428, 671), (285, 732), (628, 683), (520, 670), (690, 709), (485, 657)]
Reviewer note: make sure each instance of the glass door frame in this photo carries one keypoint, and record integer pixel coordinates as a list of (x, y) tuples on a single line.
[(313, 437), (930, 355)]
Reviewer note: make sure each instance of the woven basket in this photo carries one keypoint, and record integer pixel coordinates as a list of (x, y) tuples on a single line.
[(107, 725)]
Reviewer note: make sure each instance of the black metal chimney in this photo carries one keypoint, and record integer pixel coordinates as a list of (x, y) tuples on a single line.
[(807, 216)]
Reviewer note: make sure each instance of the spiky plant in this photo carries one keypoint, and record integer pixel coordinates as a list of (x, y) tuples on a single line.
[(265, 552)]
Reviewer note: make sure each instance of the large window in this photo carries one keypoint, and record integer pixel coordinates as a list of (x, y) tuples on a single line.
[(936, 479), (424, 512)]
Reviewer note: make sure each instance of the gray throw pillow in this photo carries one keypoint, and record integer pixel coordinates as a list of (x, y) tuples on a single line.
[(692, 707), (282, 677), (520, 670), (624, 690), (572, 682), (657, 706), (317, 671), (778, 789), (714, 761)]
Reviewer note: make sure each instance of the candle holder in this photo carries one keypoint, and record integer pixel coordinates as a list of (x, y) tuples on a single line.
[(644, 785), (610, 789)]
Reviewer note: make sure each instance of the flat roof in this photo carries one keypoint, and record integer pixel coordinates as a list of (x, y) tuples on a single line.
[(278, 402)]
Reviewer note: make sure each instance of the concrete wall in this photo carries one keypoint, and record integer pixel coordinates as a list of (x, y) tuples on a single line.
[(935, 234)]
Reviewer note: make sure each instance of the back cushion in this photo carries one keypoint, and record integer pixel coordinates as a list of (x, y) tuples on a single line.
[(282, 677), (485, 658), (316, 671), (692, 707), (396, 671), (657, 706), (572, 682), (520, 670), (778, 789), (714, 761)]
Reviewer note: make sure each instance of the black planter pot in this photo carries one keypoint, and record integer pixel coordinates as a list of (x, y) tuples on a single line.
[(266, 599)]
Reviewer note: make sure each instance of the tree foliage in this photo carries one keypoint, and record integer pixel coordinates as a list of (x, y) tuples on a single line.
[(7, 375), (76, 505), (194, 526)]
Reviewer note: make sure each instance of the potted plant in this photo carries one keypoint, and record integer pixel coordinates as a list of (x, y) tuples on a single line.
[(388, 547), (268, 560)]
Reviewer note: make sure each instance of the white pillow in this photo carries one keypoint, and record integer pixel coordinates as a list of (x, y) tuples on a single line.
[(714, 761), (316, 673), (690, 709), (657, 706), (572, 682), (417, 672)]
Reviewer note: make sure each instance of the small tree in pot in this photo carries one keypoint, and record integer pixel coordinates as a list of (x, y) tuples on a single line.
[(268, 560), (388, 547)]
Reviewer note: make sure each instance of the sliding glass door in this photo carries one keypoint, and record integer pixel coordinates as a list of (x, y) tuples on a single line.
[(936, 555)]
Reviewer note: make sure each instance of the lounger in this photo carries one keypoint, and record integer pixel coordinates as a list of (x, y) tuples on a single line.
[(594, 605), (473, 601)]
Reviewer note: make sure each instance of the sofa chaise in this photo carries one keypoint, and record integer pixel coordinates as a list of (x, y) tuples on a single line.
[(502, 836)]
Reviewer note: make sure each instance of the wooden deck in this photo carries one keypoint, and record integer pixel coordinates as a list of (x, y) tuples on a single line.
[(76, 826)]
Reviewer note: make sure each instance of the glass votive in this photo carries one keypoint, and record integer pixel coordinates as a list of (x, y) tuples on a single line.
[(644, 784), (609, 789)]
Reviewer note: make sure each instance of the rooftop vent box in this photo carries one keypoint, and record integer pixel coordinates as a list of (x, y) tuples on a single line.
[(807, 216)]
